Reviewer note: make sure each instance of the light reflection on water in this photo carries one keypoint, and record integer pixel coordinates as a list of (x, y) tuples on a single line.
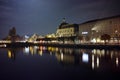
[(93, 59)]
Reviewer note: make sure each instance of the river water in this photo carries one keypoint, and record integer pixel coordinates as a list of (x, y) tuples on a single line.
[(54, 63)]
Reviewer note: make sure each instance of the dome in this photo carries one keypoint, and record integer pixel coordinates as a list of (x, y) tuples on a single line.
[(62, 24)]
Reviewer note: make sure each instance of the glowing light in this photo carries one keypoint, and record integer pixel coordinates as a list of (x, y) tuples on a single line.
[(26, 37), (84, 32), (35, 42), (85, 57), (93, 40), (4, 45), (26, 49), (9, 54), (49, 48), (61, 56), (94, 51), (44, 48), (31, 50), (98, 40), (40, 52), (97, 61), (103, 52), (93, 62), (117, 61)]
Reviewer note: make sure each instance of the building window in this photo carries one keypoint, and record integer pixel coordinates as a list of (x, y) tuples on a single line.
[(84, 32)]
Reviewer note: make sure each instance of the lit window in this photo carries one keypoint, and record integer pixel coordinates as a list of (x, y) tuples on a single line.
[(84, 32)]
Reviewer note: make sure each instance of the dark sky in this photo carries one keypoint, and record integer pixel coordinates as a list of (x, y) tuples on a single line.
[(44, 16)]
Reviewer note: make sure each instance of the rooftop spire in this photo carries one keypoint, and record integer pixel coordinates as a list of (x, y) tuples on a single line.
[(64, 20)]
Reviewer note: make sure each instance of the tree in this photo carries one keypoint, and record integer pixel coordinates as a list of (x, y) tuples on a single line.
[(80, 38), (105, 37), (12, 32), (117, 37)]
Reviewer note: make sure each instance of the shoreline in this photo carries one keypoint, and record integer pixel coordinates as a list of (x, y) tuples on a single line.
[(88, 46)]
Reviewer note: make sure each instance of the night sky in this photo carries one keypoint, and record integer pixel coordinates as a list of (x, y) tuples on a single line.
[(44, 16)]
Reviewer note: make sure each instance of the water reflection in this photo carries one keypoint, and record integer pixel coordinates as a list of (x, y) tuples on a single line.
[(93, 58), (11, 53)]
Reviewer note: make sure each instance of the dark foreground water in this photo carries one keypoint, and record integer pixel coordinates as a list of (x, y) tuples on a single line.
[(52, 63)]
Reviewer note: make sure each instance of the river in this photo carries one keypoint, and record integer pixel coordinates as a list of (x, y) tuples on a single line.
[(55, 63)]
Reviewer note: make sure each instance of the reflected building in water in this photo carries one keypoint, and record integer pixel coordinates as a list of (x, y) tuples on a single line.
[(30, 50), (11, 53), (33, 50), (95, 59), (73, 57)]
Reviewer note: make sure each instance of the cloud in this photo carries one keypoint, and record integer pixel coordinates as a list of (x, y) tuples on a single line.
[(43, 16)]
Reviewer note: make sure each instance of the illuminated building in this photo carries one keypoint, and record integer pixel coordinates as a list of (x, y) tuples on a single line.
[(33, 38), (90, 31), (67, 31), (93, 30)]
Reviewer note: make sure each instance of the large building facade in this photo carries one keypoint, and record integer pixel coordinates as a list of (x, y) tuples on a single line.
[(92, 31), (67, 32)]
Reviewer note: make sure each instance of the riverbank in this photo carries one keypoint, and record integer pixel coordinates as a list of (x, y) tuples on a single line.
[(89, 46)]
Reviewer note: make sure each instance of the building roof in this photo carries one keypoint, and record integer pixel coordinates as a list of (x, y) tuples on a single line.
[(67, 26), (100, 19), (63, 24)]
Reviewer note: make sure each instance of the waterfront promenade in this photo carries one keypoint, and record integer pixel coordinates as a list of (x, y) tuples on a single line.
[(88, 46)]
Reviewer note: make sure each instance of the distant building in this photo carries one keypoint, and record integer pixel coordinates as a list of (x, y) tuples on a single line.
[(33, 38)]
